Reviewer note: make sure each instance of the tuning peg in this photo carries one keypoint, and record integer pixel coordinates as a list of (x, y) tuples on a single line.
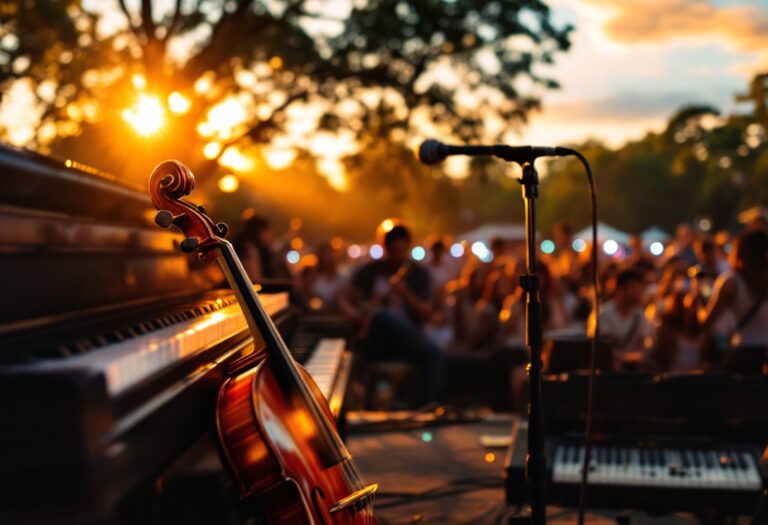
[(223, 229), (189, 245), (164, 219), (201, 209)]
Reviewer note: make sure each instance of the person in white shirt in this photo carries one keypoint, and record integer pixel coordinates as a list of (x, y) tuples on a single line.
[(623, 323)]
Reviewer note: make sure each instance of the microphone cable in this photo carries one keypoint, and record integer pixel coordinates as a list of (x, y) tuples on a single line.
[(595, 337)]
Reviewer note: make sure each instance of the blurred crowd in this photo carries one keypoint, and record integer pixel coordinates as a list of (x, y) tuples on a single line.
[(698, 304)]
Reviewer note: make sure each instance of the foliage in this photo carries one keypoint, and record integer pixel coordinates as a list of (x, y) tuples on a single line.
[(701, 165), (394, 62)]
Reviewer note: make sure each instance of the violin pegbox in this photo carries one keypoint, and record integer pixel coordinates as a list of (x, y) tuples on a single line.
[(169, 183)]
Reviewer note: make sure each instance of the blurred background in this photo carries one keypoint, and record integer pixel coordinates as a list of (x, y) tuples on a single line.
[(311, 109)]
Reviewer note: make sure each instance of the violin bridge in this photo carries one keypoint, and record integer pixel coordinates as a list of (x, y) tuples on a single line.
[(354, 500)]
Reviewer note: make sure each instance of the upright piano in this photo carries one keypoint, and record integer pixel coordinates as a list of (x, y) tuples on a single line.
[(112, 346)]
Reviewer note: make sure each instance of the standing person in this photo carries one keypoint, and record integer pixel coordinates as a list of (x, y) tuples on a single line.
[(563, 263), (638, 258), (391, 300), (440, 266), (682, 245), (738, 309), (622, 320)]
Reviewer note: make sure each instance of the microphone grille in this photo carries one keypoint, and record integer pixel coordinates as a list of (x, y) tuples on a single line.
[(429, 152)]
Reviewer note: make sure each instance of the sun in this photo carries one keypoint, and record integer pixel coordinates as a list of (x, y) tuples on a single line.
[(146, 116)]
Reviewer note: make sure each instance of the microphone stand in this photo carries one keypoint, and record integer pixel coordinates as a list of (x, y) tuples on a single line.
[(535, 461)]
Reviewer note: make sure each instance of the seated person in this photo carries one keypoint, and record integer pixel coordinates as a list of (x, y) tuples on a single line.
[(737, 312), (623, 323), (390, 300)]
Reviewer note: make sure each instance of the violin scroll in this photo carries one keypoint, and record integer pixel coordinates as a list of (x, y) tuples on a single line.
[(169, 183)]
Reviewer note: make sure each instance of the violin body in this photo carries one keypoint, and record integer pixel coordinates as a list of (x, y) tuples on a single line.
[(276, 432), (266, 439)]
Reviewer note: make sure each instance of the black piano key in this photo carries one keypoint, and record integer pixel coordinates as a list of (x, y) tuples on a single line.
[(740, 461), (694, 458), (684, 455)]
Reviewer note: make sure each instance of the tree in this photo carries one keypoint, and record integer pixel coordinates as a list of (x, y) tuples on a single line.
[(229, 75), (702, 165)]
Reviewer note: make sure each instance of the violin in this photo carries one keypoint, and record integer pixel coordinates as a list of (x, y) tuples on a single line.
[(277, 436)]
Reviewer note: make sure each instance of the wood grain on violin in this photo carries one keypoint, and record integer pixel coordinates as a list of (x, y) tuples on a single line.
[(276, 432)]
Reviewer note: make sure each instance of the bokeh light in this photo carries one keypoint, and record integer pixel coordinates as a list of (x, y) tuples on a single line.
[(610, 247), (293, 257), (418, 253), (457, 249), (387, 225), (656, 248), (578, 245), (354, 251), (376, 251), (229, 183), (178, 103), (147, 116), (481, 251), (547, 246), (211, 150)]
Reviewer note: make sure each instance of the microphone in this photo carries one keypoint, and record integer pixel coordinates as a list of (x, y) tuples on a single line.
[(434, 152)]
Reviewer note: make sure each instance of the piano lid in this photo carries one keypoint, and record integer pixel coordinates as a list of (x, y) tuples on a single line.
[(75, 238)]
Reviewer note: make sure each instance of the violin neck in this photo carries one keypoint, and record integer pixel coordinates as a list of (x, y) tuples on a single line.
[(258, 320), (329, 445)]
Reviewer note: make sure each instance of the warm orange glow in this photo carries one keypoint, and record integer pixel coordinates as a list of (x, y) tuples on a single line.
[(205, 129), (279, 158), (296, 224), (178, 103), (490, 457), (297, 243), (337, 243), (211, 150), (138, 81), (232, 158), (204, 83), (229, 183), (387, 225), (275, 62), (226, 115), (147, 116)]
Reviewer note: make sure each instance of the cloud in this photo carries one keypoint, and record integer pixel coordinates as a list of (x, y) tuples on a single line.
[(613, 119), (744, 27), (626, 105)]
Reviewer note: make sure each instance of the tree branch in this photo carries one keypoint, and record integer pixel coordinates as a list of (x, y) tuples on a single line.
[(171, 28), (124, 9), (147, 22), (262, 125)]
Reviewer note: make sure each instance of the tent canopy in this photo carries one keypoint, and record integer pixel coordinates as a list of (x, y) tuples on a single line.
[(486, 232), (604, 232), (654, 234)]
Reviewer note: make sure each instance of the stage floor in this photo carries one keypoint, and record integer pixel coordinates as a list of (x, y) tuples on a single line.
[(458, 480)]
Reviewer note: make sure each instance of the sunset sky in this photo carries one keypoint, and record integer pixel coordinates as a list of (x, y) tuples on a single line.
[(634, 62)]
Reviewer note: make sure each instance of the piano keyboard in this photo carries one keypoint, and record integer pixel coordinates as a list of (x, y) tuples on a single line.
[(126, 363), (678, 468), (323, 364)]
